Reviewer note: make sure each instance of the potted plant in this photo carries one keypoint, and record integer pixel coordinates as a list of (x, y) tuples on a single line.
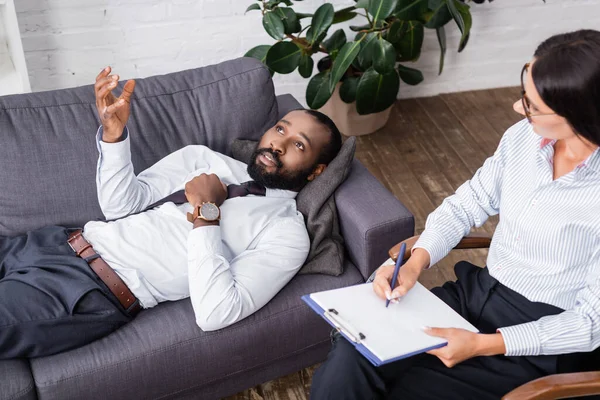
[(358, 79)]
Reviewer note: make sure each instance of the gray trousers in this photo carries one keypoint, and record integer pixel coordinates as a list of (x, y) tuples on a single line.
[(50, 299)]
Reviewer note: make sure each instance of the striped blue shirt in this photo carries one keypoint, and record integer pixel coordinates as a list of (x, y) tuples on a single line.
[(546, 245)]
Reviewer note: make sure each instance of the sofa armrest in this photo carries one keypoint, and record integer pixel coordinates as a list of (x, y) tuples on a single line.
[(371, 219), (287, 103)]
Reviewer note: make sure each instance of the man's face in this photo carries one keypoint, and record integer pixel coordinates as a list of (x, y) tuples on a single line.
[(286, 156)]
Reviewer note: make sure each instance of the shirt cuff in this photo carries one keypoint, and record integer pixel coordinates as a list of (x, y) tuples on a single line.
[(124, 134), (434, 243), (118, 153), (521, 340), (204, 241)]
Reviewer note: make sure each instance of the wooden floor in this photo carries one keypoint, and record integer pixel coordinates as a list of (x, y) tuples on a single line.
[(428, 148)]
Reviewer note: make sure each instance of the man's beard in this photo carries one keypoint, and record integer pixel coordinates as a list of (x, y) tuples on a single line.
[(278, 179)]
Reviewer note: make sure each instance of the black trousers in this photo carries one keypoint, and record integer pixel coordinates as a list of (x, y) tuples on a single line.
[(484, 302), (50, 299)]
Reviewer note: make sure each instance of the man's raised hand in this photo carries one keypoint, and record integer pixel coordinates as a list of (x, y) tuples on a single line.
[(113, 112)]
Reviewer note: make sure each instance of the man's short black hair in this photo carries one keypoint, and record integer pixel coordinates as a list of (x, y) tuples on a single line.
[(332, 148)]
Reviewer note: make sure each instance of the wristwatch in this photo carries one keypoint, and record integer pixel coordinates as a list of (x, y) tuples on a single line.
[(207, 211)]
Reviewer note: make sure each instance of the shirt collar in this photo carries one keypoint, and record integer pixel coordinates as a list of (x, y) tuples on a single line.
[(592, 162), (545, 142), (286, 194)]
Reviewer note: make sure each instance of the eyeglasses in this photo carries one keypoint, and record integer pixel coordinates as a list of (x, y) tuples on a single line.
[(525, 100)]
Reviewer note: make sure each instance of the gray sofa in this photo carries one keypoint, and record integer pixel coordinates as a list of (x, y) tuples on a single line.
[(48, 154)]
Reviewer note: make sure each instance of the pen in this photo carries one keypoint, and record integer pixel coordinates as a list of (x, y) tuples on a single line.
[(399, 261)]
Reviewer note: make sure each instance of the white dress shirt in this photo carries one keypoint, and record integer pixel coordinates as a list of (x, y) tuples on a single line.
[(229, 271), (547, 244)]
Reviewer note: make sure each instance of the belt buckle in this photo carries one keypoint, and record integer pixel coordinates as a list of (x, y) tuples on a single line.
[(135, 308), (71, 239)]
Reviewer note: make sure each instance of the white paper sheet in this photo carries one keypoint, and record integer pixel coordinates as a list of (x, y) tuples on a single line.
[(394, 331)]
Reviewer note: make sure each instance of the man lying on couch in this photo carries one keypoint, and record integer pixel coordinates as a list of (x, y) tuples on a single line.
[(197, 224)]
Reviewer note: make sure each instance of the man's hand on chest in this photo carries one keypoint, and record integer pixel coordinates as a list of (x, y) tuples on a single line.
[(205, 188)]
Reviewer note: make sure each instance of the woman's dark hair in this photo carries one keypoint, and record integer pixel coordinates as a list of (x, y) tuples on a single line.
[(566, 73), (332, 148)]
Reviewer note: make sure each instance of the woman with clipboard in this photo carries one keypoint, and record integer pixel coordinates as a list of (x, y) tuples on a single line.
[(537, 303)]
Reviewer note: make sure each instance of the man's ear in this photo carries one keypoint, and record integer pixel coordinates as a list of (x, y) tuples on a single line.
[(317, 171)]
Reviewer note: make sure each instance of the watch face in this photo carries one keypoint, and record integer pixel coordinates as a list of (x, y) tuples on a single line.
[(209, 211)]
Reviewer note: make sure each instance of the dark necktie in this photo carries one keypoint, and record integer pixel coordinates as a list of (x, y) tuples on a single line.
[(233, 190), (246, 188)]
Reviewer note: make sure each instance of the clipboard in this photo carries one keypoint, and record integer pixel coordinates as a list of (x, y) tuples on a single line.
[(359, 338)]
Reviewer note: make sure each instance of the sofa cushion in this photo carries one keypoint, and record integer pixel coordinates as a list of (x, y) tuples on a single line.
[(165, 353), (316, 202), (16, 382), (48, 154)]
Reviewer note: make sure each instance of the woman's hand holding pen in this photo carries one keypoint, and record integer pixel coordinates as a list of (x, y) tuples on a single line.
[(407, 276), (462, 344)]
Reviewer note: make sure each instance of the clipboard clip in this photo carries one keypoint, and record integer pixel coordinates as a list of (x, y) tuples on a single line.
[(343, 327)]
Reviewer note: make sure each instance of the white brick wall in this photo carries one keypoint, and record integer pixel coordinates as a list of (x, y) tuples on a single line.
[(68, 41)]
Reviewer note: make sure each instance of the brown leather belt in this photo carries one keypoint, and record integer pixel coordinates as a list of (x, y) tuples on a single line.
[(84, 249)]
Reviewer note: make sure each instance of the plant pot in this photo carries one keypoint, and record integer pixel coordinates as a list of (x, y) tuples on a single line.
[(348, 120)]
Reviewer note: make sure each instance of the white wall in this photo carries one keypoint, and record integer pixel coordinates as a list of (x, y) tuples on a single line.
[(13, 71), (67, 42)]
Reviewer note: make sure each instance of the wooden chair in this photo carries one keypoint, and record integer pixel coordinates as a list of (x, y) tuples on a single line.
[(558, 386)]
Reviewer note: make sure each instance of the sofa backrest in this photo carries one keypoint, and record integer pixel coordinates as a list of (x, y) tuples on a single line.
[(48, 152)]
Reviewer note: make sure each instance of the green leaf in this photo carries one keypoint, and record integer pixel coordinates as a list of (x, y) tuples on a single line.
[(291, 23), (252, 7), (315, 45), (463, 44), (283, 57), (381, 9), (342, 62), (348, 89), (376, 92), (397, 31), (325, 63), (343, 16), (356, 63), (317, 91), (356, 28), (347, 9), (441, 35), (335, 41), (362, 4), (303, 15), (273, 25), (365, 56), (410, 75), (408, 10), (462, 16), (360, 35), (440, 14), (258, 52), (384, 56), (409, 48), (270, 5), (321, 21), (305, 67)]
